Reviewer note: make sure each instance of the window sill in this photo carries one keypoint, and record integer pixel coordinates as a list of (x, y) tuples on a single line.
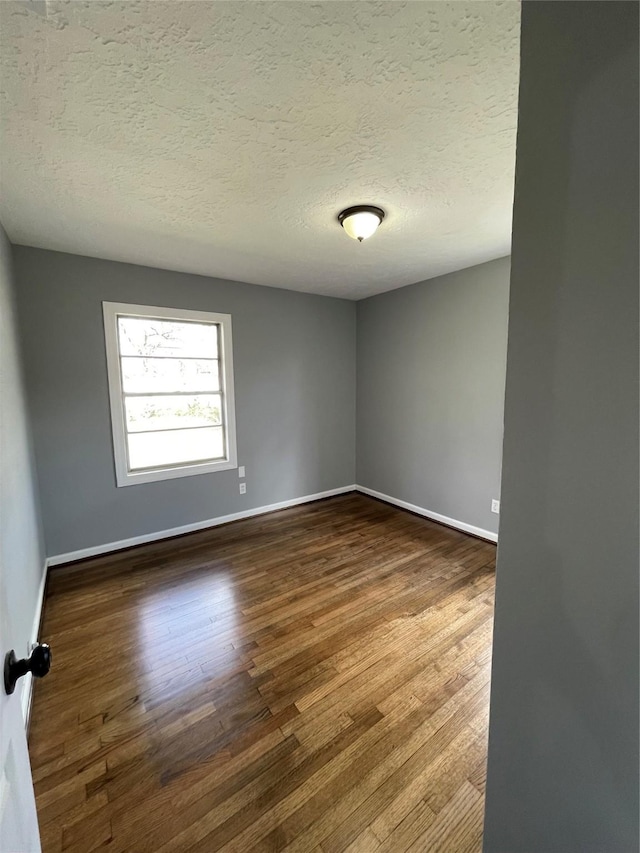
[(137, 478)]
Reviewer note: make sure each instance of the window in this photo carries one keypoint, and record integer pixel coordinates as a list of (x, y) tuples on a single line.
[(171, 392)]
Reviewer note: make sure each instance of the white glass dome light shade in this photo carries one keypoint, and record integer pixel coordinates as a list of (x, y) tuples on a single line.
[(362, 221), (361, 225)]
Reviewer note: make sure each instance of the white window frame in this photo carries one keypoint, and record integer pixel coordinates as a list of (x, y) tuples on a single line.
[(125, 477)]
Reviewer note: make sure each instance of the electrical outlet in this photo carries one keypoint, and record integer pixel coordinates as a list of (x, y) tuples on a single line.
[(241, 472), (495, 506), (243, 488)]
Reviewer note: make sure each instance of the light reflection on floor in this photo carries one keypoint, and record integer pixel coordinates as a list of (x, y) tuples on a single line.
[(176, 654)]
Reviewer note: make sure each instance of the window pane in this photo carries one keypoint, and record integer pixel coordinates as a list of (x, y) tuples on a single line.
[(145, 336), (157, 449), (145, 375), (157, 413)]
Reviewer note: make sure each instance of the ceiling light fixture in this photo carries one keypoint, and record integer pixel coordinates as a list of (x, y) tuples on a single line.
[(361, 221)]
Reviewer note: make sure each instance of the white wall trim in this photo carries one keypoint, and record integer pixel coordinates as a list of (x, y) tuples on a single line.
[(107, 548), (27, 684), (434, 516), (95, 550)]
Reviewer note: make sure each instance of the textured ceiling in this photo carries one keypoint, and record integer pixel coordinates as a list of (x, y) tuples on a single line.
[(223, 138)]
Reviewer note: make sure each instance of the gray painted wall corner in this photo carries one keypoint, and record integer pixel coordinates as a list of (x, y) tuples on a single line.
[(431, 361), (563, 772), (22, 552)]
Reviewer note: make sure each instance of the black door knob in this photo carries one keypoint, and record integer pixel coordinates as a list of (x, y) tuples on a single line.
[(38, 664)]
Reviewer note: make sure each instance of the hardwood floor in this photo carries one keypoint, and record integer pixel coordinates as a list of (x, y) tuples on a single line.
[(314, 680)]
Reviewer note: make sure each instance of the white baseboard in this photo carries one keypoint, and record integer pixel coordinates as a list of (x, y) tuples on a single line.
[(27, 682), (434, 516), (107, 548)]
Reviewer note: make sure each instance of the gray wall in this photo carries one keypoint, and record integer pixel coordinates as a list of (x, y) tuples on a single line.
[(431, 367), (21, 542), (563, 744), (294, 365)]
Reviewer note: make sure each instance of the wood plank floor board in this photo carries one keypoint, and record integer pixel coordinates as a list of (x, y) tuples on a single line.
[(389, 765), (313, 680)]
